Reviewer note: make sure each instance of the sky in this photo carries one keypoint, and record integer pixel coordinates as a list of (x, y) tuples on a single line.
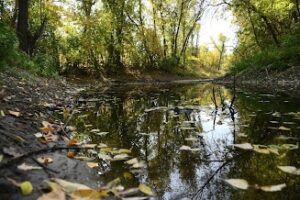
[(214, 24)]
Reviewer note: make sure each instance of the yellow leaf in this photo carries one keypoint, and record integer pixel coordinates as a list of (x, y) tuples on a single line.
[(26, 188), (145, 189), (57, 193), (132, 161), (238, 183)]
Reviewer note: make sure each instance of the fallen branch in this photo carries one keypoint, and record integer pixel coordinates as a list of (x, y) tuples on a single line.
[(200, 191)]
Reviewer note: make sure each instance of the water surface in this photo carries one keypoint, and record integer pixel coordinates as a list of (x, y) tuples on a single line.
[(156, 121)]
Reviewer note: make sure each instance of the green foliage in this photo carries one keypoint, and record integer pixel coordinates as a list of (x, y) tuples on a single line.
[(169, 64), (272, 58), (9, 54)]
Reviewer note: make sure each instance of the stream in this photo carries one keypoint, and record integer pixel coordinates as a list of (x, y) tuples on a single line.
[(183, 133)]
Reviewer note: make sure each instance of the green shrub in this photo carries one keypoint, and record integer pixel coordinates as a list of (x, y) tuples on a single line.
[(169, 64)]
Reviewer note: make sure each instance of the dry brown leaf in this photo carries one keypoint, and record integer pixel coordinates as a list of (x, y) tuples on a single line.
[(71, 154), (72, 142), (57, 193)]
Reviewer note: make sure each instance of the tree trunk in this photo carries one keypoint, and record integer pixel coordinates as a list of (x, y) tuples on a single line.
[(22, 26)]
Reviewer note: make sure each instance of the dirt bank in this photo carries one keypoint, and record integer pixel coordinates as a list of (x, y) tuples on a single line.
[(287, 81)]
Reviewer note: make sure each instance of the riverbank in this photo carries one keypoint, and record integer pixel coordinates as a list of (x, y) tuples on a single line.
[(287, 81)]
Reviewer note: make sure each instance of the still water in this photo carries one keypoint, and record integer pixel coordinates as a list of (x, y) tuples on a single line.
[(184, 135)]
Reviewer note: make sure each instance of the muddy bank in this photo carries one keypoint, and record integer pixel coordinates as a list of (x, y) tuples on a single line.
[(287, 81), (25, 102)]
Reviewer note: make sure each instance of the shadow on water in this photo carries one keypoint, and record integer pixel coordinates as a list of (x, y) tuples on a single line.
[(156, 123)]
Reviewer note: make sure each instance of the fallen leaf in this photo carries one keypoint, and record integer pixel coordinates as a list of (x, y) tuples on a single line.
[(120, 157), (185, 148), (26, 188), (104, 156), (26, 167), (11, 151), (290, 170), (71, 154), (146, 189), (89, 146), (70, 187), (45, 160), (121, 151), (72, 142), (289, 146), (244, 146), (1, 157), (283, 128), (92, 164), (132, 161), (88, 194), (2, 114), (56, 193), (101, 145), (14, 113), (101, 133), (139, 165), (238, 183), (191, 139), (261, 149), (273, 188)]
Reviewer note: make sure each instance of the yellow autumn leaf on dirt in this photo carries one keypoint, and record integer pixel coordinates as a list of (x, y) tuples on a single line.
[(26, 188), (57, 193), (145, 189)]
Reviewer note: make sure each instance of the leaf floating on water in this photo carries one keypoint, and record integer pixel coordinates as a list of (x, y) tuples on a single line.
[(132, 161), (283, 128), (290, 170), (274, 122), (104, 156), (244, 146), (2, 114), (101, 145), (289, 146), (124, 151), (272, 188), (92, 164), (120, 157), (261, 149), (185, 148), (14, 113), (289, 123), (238, 183), (89, 146), (139, 165), (102, 133), (191, 139), (1, 158), (26, 188), (26, 167), (146, 189)]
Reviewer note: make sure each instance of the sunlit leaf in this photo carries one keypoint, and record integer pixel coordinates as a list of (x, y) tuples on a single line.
[(101, 133), (89, 146), (261, 149), (120, 157), (26, 188), (290, 170), (139, 165), (104, 156), (244, 146), (72, 142), (132, 161), (1, 157), (273, 188), (146, 189), (191, 139), (283, 128), (238, 183), (124, 151), (26, 167), (185, 148), (289, 146), (92, 164), (71, 154)]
